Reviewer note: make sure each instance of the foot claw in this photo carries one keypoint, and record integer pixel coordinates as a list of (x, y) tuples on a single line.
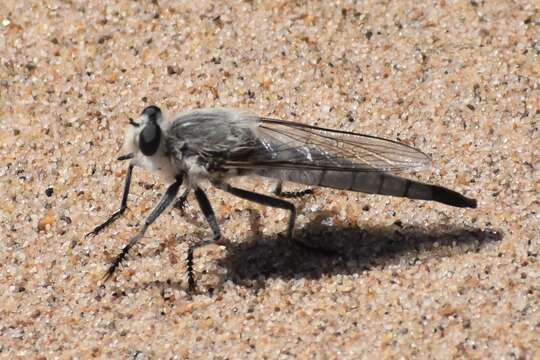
[(109, 221), (94, 232)]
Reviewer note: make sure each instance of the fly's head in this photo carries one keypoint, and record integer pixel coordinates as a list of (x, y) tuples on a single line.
[(144, 144), (144, 135)]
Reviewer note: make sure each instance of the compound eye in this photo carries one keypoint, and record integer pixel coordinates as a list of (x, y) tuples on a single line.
[(152, 112), (149, 138)]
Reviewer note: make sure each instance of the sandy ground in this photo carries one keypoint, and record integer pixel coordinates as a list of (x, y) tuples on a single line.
[(402, 278)]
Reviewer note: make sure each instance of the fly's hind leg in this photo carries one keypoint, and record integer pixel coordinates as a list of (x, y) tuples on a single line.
[(263, 200), (273, 202), (278, 191)]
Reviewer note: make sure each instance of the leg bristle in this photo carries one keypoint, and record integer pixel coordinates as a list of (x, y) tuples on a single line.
[(190, 277), (295, 194), (118, 260)]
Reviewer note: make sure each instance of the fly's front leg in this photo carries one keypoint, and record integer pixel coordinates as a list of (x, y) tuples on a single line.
[(263, 200), (165, 201), (278, 191), (123, 205)]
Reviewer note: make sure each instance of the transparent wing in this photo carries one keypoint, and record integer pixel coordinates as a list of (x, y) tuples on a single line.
[(293, 146)]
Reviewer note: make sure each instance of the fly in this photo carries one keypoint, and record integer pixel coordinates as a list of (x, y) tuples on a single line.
[(216, 145)]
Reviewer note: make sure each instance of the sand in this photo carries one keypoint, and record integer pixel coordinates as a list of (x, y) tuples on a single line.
[(399, 278)]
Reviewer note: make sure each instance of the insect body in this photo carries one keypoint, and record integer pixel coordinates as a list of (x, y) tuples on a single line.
[(217, 144)]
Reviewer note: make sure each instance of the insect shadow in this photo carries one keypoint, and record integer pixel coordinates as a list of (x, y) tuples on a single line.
[(332, 250)]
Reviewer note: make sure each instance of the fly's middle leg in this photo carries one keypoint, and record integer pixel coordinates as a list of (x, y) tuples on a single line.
[(208, 212), (181, 201), (278, 191), (210, 216)]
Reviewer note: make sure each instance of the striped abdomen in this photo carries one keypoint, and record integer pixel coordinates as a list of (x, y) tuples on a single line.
[(373, 183)]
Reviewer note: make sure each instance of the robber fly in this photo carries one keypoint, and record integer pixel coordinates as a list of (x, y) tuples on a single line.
[(215, 145)]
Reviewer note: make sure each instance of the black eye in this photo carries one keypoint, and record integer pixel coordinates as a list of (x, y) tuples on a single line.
[(153, 112), (149, 138)]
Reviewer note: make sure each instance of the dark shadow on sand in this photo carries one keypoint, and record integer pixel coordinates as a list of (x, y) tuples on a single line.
[(346, 250)]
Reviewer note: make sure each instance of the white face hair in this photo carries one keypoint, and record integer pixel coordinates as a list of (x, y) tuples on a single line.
[(144, 142)]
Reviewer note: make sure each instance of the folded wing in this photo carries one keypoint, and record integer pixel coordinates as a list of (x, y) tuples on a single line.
[(293, 146)]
